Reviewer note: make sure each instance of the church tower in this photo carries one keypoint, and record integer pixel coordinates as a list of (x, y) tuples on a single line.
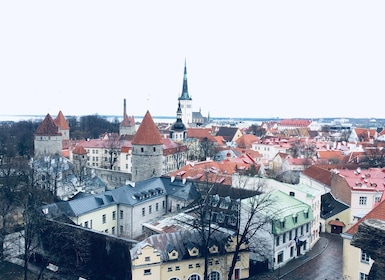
[(147, 151), (48, 139), (185, 100), (178, 131), (127, 126)]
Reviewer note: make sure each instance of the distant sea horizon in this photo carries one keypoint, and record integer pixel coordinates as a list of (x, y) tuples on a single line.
[(172, 119)]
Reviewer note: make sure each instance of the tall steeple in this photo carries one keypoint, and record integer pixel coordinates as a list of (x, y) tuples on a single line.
[(185, 95), (185, 100)]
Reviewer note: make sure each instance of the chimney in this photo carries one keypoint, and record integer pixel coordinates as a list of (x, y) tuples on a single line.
[(124, 107)]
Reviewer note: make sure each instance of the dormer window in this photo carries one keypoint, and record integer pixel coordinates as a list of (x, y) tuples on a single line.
[(282, 223), (213, 249), (173, 255)]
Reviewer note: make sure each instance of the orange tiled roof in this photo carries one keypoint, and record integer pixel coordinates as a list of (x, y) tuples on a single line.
[(378, 212), (246, 140), (61, 121), (79, 150), (148, 133), (48, 127), (330, 155)]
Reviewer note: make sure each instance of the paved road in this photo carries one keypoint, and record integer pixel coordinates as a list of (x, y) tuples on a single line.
[(327, 266)]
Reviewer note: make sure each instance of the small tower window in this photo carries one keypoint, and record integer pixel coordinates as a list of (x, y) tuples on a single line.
[(142, 149), (154, 149)]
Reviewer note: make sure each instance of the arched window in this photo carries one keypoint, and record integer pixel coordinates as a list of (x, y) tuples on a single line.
[(214, 276), (194, 277), (174, 278)]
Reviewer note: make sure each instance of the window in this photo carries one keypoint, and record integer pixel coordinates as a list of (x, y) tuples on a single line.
[(142, 150), (362, 200), (284, 238), (198, 265), (104, 218), (290, 235), (194, 277), (169, 269), (307, 227), (157, 206), (149, 209), (121, 229), (190, 266), (277, 241), (364, 257), (143, 211), (146, 259), (292, 193), (114, 215), (113, 230), (121, 214), (147, 272), (280, 257), (295, 219), (237, 274), (163, 204), (291, 252), (214, 275), (364, 276), (301, 230), (86, 224), (177, 267)]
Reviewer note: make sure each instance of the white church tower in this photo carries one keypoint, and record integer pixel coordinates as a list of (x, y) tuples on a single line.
[(185, 100)]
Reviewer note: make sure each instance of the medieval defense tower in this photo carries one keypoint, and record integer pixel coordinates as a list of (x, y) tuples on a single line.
[(147, 151)]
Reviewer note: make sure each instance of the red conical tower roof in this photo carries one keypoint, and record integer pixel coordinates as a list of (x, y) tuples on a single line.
[(61, 121), (48, 127), (148, 133)]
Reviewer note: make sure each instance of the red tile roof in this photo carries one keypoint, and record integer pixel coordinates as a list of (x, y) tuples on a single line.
[(48, 127), (148, 133), (294, 123), (319, 174), (371, 179), (200, 133), (128, 121), (378, 213), (61, 121), (79, 150)]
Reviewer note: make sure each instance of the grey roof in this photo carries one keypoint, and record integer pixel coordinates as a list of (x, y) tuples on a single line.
[(130, 195), (181, 241), (330, 206)]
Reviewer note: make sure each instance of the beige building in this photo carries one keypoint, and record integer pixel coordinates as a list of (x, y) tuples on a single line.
[(356, 263), (123, 211), (179, 256)]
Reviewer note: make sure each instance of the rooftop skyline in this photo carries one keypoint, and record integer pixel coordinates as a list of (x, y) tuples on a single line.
[(264, 59)]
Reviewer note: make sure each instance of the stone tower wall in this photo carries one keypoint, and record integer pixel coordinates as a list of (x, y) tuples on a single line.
[(147, 162), (48, 145)]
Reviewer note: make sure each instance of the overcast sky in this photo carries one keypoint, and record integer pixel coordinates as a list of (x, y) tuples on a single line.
[(262, 59)]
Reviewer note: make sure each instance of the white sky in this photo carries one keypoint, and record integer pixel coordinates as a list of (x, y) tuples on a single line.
[(252, 58)]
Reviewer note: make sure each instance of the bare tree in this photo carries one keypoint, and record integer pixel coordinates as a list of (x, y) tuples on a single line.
[(250, 220), (235, 208), (112, 145)]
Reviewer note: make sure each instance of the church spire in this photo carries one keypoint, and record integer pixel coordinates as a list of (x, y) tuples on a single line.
[(185, 95)]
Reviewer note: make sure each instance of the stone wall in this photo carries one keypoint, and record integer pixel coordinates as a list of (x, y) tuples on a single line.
[(370, 238)]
